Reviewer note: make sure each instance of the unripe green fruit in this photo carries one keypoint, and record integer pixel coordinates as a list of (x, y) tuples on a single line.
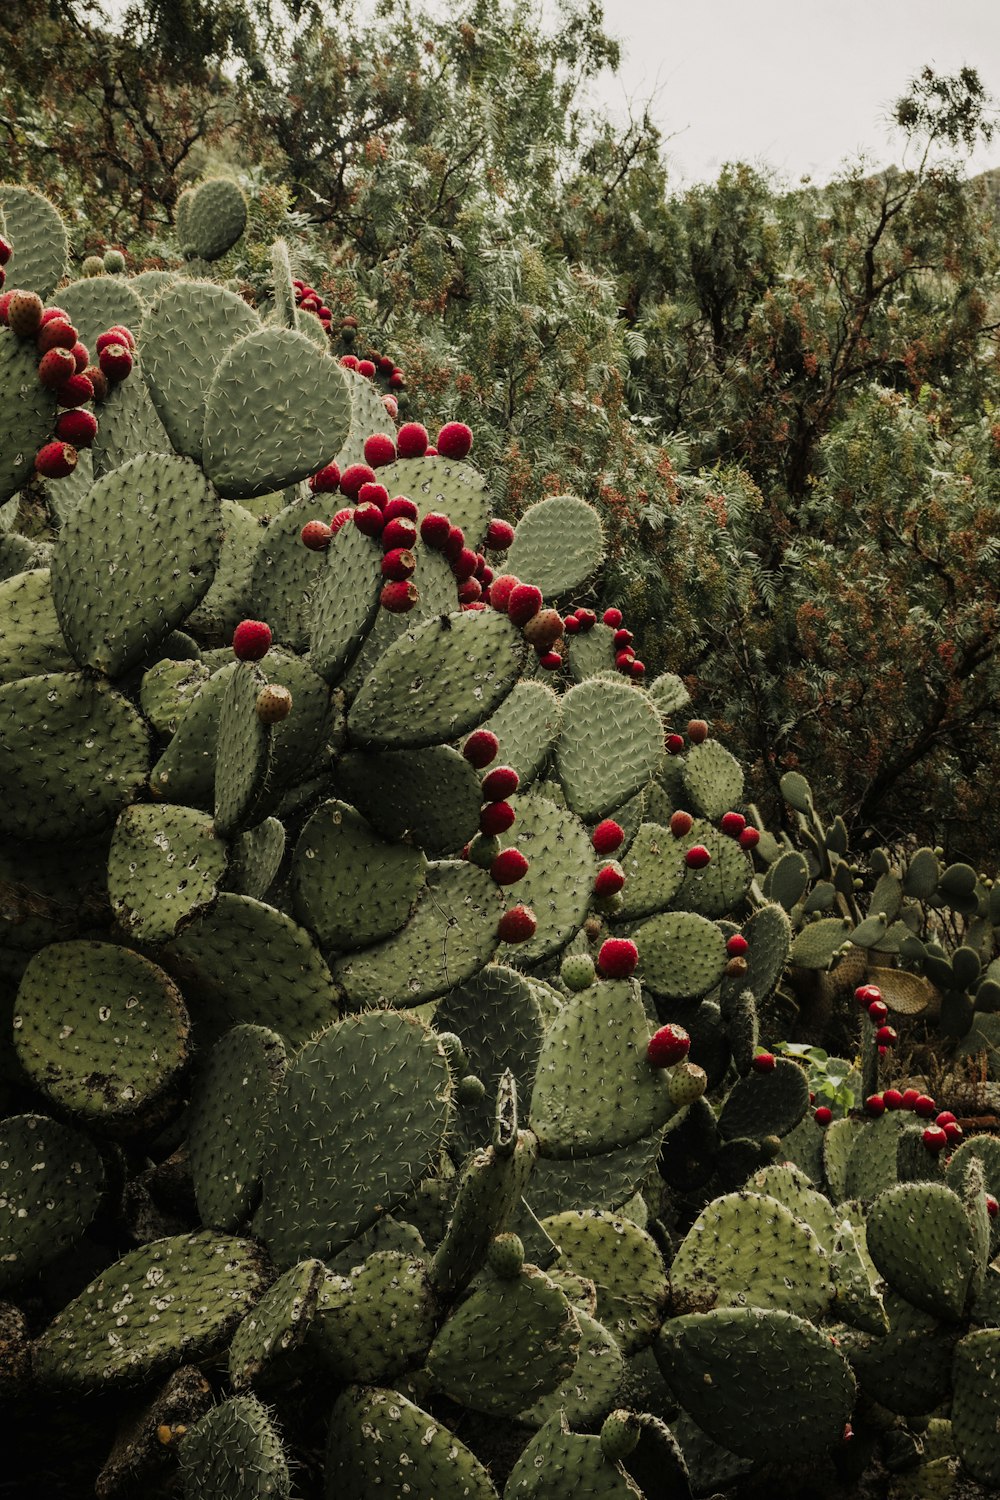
[(454, 1051), (578, 971), (470, 1091), (93, 265), (619, 1435), (483, 850), (610, 905), (505, 1257), (114, 262), (687, 1083)]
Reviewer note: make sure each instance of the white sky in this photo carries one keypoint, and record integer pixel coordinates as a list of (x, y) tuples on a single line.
[(801, 85)]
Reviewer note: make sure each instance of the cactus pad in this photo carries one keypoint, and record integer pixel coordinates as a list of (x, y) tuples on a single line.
[(30, 639), (368, 416), (558, 544), (96, 303), (164, 864), (975, 1411), (269, 1347), (216, 216), (654, 871), (920, 1238), (559, 884), (559, 1465), (439, 484), (592, 1385), (53, 1178), (682, 955), (37, 233), (242, 751), (345, 602), (101, 1031), (351, 887), (496, 1017), (766, 1103), (610, 745), (378, 1321), (713, 779), (380, 1443), (591, 653), (227, 1116), (27, 412), (430, 795), (527, 724), (172, 1300), (234, 1453), (625, 1266)]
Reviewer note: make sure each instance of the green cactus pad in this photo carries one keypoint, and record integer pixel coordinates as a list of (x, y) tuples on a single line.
[(230, 1103), (856, 1280), (732, 1370), (28, 412), (527, 724), (431, 796), (681, 955), (278, 409), (164, 864), (380, 1443), (438, 593), (816, 945), (349, 886), (592, 1385), (437, 682), (747, 1249), (345, 602), (590, 653), (226, 603), (508, 1344), (449, 937), (787, 879), (558, 545), (242, 753), (560, 1465), (713, 779), (908, 1368), (53, 1178), (215, 216), (803, 1148), (792, 1188), (607, 1181), (30, 639), (769, 935), (286, 574), (611, 744), (720, 887), (670, 695), (129, 427), (172, 1300), (167, 691), (456, 490), (871, 1157), (170, 517), (368, 416), (378, 1321), (594, 1090), (97, 303), (625, 1266), (101, 1031), (490, 1185), (255, 859), (766, 1103), (496, 1017), (338, 1159), (38, 236), (190, 328), (268, 1350), (920, 1238), (559, 884), (234, 1453), (975, 1411), (243, 962), (654, 871), (149, 284)]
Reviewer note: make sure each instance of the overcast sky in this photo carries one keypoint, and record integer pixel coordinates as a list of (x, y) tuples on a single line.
[(798, 84)]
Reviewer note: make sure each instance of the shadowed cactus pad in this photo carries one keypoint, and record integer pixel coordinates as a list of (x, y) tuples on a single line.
[(921, 1239), (559, 1465), (381, 1444), (227, 1119), (625, 1266), (53, 1178), (234, 1453), (377, 1322), (164, 864), (27, 412)]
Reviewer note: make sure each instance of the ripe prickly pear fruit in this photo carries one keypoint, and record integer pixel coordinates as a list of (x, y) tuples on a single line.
[(24, 313), (499, 535), (56, 460), (480, 748), (875, 1105), (681, 823), (571, 625), (822, 1115), (500, 783), (316, 535), (669, 1045), (613, 617), (892, 1098), (578, 971), (496, 818), (6, 251), (524, 603), (687, 1082), (76, 427), (274, 703), (454, 545), (697, 731), (366, 367), (434, 530), (501, 589), (764, 1062), (887, 1036), (340, 519), (399, 598), (749, 838), (550, 661), (737, 945), (398, 533), (398, 564), (454, 440), (517, 925), (251, 640), (373, 494), (470, 592), (379, 450), (618, 958), (878, 1012), (120, 334), (675, 744), (326, 480), (697, 857), (75, 391), (607, 836), (115, 361), (867, 994), (925, 1107), (732, 824), (354, 477), (57, 334), (509, 867), (411, 440), (992, 1206), (98, 380), (55, 367), (369, 520), (81, 355), (609, 880), (400, 508), (935, 1139), (464, 565), (544, 629)]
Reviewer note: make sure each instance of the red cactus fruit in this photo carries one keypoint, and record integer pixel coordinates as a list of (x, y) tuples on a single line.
[(544, 629), (24, 313), (823, 1115), (499, 783), (454, 544), (398, 564), (697, 857), (517, 925), (878, 1012), (366, 367), (115, 361), (56, 460), (749, 838), (59, 334), (524, 602), (77, 427), (550, 661), (609, 880), (6, 251), (587, 619), (670, 1045), (354, 477), (499, 535), (675, 746), (400, 509), (867, 994), (621, 639), (992, 1206), (953, 1131), (397, 382), (251, 640), (945, 1118), (55, 366), (935, 1139), (613, 617), (470, 591), (875, 1105), (316, 535), (399, 598), (373, 494), (379, 450), (623, 659), (571, 625), (925, 1107), (501, 589), (887, 1036), (764, 1062), (326, 480), (681, 823), (411, 440), (4, 304), (737, 945), (636, 668), (509, 867), (732, 824), (391, 405), (434, 530), (618, 958), (98, 380), (495, 818), (349, 361), (697, 731), (369, 520), (607, 836), (50, 314), (464, 565), (893, 1098), (454, 440), (480, 748), (122, 334), (910, 1097), (340, 519), (81, 355), (398, 533), (76, 391)]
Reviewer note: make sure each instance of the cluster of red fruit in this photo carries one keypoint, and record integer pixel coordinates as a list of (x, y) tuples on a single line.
[(626, 661), (869, 997), (508, 866), (64, 368), (307, 299), (6, 251), (945, 1130)]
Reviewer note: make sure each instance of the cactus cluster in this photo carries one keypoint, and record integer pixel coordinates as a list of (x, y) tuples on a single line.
[(385, 987)]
